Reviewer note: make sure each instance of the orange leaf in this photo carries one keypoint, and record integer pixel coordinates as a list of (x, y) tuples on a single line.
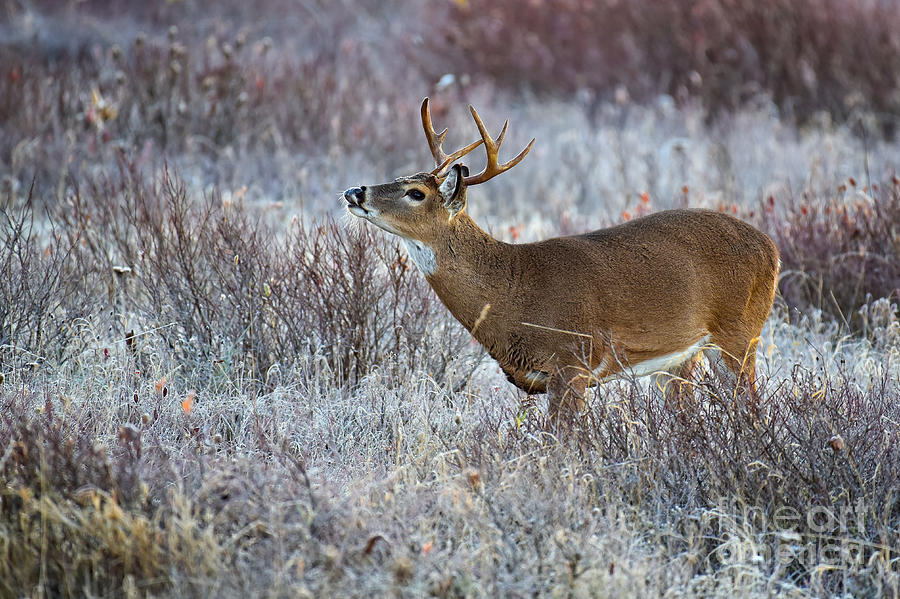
[(427, 547), (187, 403), (160, 385)]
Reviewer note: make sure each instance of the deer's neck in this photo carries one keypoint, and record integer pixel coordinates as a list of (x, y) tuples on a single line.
[(473, 274)]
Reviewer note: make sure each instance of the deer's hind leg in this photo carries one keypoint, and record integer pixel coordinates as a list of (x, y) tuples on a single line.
[(738, 338), (739, 341), (738, 350)]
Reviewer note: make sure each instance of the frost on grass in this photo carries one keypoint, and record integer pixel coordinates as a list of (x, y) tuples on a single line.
[(213, 385), (213, 413)]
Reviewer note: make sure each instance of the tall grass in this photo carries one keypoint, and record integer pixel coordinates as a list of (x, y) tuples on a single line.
[(700, 497)]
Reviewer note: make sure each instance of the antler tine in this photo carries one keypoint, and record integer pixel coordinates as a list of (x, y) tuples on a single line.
[(502, 133), (436, 140), (492, 148)]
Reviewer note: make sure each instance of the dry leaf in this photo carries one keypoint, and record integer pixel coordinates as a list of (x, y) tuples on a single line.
[(187, 403)]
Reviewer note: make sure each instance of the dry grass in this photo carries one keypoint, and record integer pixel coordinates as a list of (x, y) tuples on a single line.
[(211, 386), (401, 486)]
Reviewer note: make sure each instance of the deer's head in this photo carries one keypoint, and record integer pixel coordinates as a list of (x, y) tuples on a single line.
[(418, 207)]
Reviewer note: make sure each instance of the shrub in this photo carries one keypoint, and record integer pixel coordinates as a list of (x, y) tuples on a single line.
[(226, 293), (840, 253), (42, 292)]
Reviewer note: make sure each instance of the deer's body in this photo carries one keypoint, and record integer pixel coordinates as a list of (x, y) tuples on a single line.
[(557, 314)]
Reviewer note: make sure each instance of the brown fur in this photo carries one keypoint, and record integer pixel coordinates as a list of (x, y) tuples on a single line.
[(585, 307)]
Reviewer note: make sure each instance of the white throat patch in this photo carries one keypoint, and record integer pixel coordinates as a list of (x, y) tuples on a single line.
[(422, 256)]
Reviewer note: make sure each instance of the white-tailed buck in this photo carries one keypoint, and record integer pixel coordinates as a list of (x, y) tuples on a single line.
[(641, 297)]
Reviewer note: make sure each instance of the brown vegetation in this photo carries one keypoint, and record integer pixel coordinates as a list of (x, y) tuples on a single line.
[(839, 253), (809, 57)]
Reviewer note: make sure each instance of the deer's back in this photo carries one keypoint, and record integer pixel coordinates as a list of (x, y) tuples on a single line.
[(655, 268)]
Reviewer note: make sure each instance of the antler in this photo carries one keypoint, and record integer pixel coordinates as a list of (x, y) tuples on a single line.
[(435, 140), (492, 148)]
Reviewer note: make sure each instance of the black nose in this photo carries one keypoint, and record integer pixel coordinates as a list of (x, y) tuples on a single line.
[(356, 193)]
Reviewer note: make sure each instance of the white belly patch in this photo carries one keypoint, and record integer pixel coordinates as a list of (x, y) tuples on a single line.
[(664, 363)]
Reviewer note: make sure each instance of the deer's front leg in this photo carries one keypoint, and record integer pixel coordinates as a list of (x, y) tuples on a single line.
[(565, 392)]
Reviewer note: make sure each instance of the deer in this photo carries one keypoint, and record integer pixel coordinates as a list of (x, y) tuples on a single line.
[(643, 297)]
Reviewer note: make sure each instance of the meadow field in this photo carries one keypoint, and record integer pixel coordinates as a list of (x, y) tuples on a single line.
[(214, 382)]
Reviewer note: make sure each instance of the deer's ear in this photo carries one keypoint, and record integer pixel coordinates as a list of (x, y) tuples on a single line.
[(453, 189)]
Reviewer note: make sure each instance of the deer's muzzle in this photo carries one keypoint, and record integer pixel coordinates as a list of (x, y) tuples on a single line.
[(355, 197)]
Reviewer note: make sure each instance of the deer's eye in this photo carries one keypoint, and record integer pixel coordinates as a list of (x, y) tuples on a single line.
[(416, 195)]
